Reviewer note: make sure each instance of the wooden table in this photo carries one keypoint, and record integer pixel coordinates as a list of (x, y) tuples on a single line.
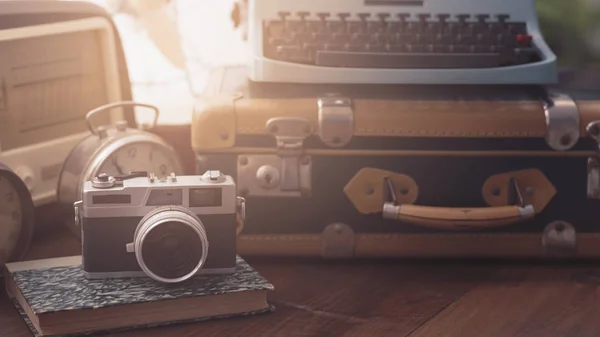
[(393, 298)]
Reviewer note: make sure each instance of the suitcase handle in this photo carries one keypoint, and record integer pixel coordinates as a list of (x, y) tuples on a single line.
[(513, 197), (458, 218)]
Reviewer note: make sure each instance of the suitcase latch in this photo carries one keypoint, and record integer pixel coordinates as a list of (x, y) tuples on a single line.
[(336, 120), (287, 173), (562, 121)]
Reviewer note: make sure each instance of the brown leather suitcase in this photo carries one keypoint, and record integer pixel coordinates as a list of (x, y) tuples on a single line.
[(405, 171)]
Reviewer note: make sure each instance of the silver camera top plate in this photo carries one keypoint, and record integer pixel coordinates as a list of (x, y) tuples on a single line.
[(211, 193)]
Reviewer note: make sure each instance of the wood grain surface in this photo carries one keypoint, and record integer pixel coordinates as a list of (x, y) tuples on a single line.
[(391, 298)]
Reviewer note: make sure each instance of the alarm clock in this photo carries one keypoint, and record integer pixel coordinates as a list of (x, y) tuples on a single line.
[(16, 217), (115, 150)]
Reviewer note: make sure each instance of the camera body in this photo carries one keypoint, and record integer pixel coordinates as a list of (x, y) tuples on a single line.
[(169, 228)]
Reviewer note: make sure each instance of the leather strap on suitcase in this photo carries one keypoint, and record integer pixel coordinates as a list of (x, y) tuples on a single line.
[(336, 120)]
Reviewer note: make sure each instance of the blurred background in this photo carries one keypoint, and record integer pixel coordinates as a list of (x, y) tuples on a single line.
[(169, 72)]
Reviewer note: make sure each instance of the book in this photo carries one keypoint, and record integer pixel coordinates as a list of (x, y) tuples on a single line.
[(56, 299)]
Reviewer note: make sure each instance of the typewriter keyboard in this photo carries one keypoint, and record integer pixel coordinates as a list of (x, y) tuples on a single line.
[(398, 41)]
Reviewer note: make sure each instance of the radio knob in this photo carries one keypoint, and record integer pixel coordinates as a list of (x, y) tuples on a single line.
[(27, 175), (268, 176)]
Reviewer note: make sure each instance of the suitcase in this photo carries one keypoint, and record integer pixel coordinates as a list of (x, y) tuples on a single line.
[(359, 171)]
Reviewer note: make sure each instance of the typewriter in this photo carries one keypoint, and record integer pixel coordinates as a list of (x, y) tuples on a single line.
[(398, 42)]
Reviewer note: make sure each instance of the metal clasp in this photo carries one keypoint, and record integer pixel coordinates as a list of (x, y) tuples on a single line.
[(241, 208), (390, 205), (562, 121), (290, 133), (77, 217), (286, 174), (593, 167), (336, 120), (593, 181)]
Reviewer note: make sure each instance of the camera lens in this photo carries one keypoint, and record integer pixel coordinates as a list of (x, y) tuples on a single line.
[(170, 244), (172, 250)]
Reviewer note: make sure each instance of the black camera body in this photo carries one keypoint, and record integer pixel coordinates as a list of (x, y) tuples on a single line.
[(169, 229)]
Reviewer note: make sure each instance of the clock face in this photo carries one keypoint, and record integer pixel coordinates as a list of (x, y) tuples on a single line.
[(148, 157), (11, 219)]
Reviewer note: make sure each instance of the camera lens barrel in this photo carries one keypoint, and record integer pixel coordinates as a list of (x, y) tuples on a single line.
[(170, 244)]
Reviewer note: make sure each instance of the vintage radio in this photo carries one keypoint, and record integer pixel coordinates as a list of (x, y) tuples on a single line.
[(59, 60)]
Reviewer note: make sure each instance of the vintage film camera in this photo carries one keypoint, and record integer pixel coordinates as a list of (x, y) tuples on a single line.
[(169, 228), (58, 60)]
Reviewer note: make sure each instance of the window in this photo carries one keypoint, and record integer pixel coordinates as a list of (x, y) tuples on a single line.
[(170, 51)]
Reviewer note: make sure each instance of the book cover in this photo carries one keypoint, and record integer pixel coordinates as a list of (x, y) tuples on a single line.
[(56, 299)]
